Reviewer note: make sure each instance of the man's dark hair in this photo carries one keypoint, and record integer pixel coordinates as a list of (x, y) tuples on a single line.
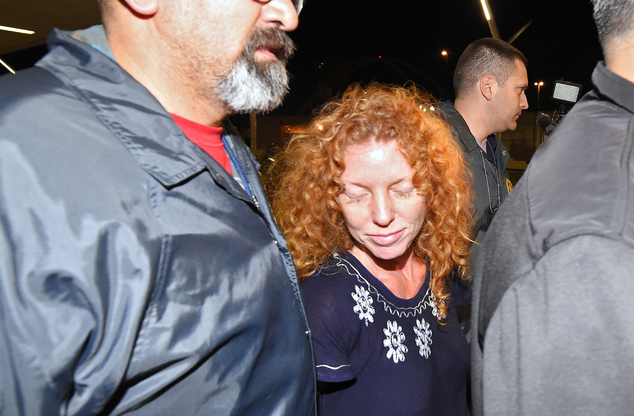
[(614, 18), (482, 57)]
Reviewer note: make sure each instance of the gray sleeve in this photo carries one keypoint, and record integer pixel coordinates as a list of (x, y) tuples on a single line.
[(71, 293), (561, 341)]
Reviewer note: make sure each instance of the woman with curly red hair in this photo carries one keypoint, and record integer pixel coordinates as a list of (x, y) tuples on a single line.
[(374, 202)]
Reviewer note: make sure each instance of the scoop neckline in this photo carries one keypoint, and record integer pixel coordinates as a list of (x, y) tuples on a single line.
[(380, 286)]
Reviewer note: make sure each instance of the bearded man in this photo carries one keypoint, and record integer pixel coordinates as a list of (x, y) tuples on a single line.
[(141, 269)]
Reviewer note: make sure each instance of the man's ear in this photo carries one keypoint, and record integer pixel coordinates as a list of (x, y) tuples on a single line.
[(143, 8), (488, 87)]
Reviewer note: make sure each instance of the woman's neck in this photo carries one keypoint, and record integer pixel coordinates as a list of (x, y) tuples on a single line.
[(403, 276)]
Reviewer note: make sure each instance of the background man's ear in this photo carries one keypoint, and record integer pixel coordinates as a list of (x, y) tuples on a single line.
[(144, 8), (488, 87)]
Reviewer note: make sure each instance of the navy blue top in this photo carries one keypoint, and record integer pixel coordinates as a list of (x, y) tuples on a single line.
[(379, 354)]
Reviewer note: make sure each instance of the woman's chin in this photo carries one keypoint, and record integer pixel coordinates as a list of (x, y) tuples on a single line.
[(387, 254)]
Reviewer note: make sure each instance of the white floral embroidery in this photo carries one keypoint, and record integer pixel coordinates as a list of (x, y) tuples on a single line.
[(381, 300), (364, 304), (432, 302), (394, 340), (423, 337)]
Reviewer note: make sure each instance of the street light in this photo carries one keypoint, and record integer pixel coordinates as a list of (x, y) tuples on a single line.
[(445, 55), (539, 86)]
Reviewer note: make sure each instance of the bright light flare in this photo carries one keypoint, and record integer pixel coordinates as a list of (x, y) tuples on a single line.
[(7, 66), (486, 10), (16, 30)]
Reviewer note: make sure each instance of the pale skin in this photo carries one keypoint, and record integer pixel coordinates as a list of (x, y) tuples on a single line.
[(491, 108), (384, 214), (619, 56), (178, 48)]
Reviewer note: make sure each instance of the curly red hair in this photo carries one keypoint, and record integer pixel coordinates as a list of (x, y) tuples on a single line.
[(307, 183)]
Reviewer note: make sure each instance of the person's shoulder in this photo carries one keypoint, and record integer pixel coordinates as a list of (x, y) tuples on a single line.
[(589, 154), (595, 125), (581, 290), (459, 128), (335, 274), (449, 113), (594, 249), (446, 106), (35, 100), (329, 300), (331, 284), (582, 269), (28, 86), (37, 111)]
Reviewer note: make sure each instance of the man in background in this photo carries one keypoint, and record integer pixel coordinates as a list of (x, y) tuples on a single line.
[(489, 82), (141, 269), (553, 316)]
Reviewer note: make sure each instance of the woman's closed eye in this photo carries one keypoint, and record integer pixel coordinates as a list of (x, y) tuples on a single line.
[(405, 192), (354, 197)]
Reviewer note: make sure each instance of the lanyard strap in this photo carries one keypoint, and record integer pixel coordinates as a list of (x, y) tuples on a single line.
[(236, 164), (486, 179)]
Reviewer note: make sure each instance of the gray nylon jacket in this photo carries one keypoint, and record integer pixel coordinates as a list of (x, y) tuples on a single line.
[(136, 276), (553, 305), (490, 179)]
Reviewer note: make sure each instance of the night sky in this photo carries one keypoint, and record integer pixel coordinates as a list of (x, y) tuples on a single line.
[(394, 41), (340, 42)]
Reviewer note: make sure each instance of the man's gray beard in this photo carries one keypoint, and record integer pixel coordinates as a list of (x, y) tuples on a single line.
[(249, 88), (252, 86)]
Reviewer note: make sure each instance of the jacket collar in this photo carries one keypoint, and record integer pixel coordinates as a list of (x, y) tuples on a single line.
[(460, 125), (617, 89), (125, 107)]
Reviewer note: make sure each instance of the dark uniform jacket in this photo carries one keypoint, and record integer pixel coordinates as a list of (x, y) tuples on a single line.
[(136, 276), (553, 316), (491, 183)]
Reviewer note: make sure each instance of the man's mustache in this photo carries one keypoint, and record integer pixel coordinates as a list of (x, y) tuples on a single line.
[(273, 39)]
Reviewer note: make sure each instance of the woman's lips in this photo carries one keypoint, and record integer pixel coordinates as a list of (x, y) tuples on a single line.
[(386, 239)]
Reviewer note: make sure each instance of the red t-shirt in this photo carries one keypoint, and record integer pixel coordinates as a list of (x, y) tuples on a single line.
[(207, 138)]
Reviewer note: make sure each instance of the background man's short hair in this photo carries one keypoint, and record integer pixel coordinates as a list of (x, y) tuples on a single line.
[(614, 19), (482, 57)]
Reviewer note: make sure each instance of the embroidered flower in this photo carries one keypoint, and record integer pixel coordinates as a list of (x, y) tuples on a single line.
[(432, 302), (395, 339), (423, 337), (364, 304)]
